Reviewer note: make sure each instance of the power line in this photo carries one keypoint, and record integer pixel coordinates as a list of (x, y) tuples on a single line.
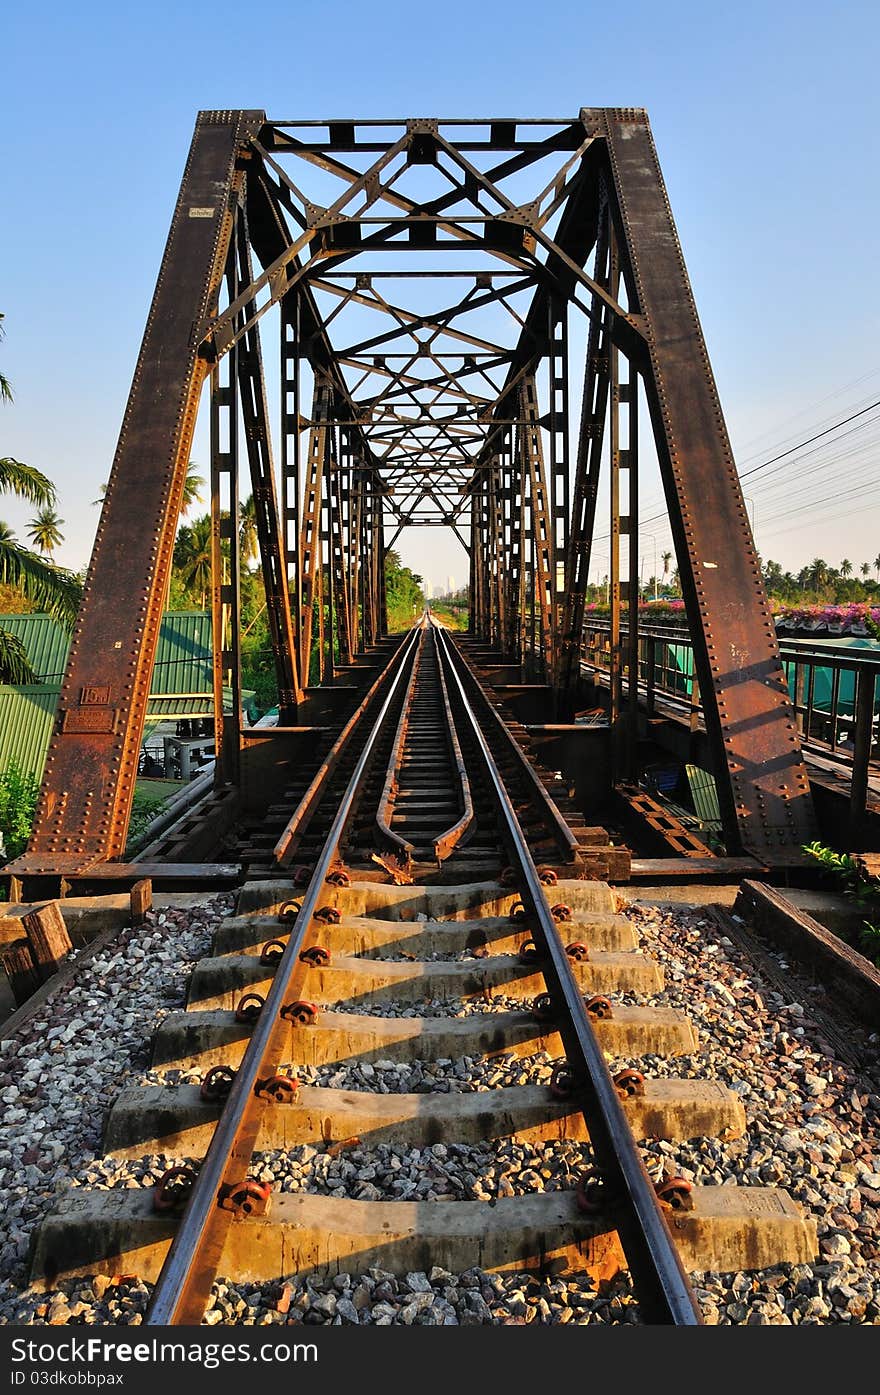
[(836, 427)]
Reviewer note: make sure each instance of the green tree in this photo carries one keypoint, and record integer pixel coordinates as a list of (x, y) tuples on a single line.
[(45, 532), (192, 558), (192, 489), (403, 592), (49, 587), (817, 573), (247, 529), (846, 568)]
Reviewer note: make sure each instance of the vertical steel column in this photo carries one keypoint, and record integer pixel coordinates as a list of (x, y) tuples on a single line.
[(630, 392), (290, 462), (614, 585), (341, 546), (356, 562), (541, 531), (560, 479), (310, 536), (863, 713), (513, 504), (329, 526), (496, 555), (258, 440), (594, 409), (225, 615)]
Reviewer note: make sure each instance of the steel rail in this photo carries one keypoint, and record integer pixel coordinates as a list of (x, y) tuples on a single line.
[(385, 811), (663, 1288), (288, 842), (568, 843), (183, 1286), (448, 841)]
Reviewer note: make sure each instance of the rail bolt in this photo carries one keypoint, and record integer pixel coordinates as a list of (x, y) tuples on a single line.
[(281, 1089), (562, 1081), (542, 1008), (328, 915), (675, 1192), (317, 956), (248, 1198), (547, 876), (528, 952), (173, 1188), (339, 877), (249, 1008), (560, 911), (629, 1084), (302, 875), (518, 912), (271, 953), (599, 1007), (302, 1014), (216, 1084), (595, 1196), (578, 951), (289, 910)]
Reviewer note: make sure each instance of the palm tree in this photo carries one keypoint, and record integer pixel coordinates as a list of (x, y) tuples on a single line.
[(665, 558), (865, 569), (50, 588), (877, 565), (817, 573), (846, 568), (247, 529), (192, 488), (192, 557), (45, 532), (5, 386)]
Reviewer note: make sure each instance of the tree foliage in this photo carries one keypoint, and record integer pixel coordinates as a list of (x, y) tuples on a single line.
[(36, 579), (403, 592)]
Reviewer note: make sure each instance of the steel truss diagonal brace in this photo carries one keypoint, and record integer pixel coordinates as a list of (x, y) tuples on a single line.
[(765, 801), (92, 762)]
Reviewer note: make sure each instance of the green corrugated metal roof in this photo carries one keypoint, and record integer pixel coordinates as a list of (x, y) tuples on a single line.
[(26, 718), (45, 642), (183, 655), (182, 683)]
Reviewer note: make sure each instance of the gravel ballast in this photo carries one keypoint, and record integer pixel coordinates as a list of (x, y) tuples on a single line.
[(813, 1128)]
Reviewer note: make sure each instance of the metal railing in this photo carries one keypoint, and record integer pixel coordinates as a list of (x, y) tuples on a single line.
[(834, 690)]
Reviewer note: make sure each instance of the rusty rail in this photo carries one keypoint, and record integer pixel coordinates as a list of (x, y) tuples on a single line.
[(184, 1284), (287, 844), (664, 1291)]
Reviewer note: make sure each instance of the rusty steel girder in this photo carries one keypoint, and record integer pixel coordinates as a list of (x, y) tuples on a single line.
[(92, 764), (765, 800)]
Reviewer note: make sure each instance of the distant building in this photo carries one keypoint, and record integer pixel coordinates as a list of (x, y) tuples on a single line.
[(450, 584)]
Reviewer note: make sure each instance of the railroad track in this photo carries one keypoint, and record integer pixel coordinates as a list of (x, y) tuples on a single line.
[(428, 904)]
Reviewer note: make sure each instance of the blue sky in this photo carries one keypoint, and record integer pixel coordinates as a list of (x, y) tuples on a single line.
[(763, 116)]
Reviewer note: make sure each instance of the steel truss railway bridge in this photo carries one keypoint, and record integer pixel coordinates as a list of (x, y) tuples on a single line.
[(430, 277)]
